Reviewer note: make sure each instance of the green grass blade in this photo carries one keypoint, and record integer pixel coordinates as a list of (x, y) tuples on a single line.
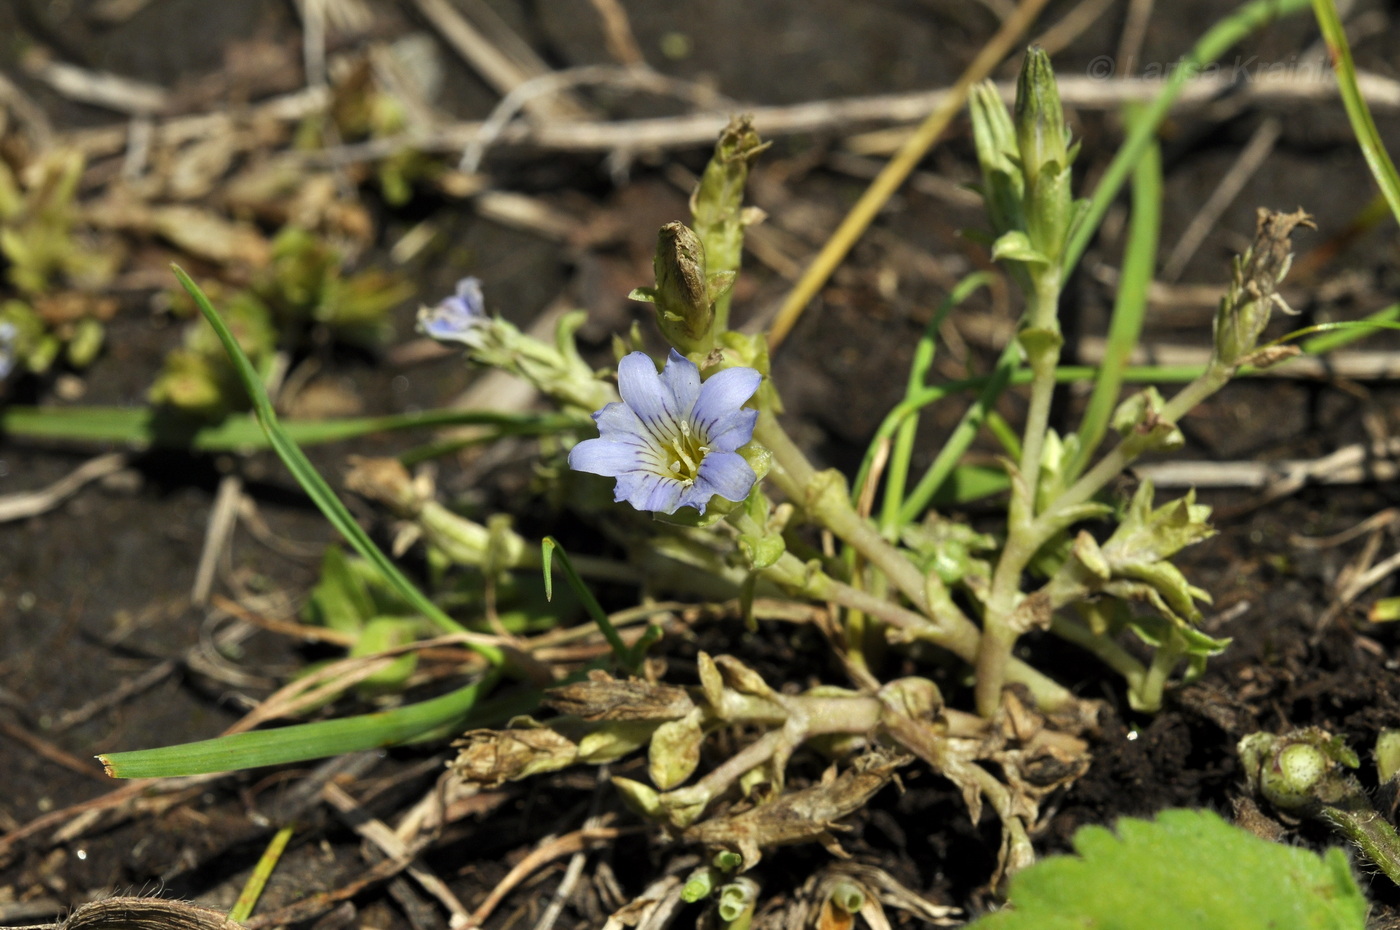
[(1367, 136), (897, 472), (1218, 40), (311, 481), (145, 426), (1008, 367), (297, 743), (1130, 306), (253, 888), (629, 658)]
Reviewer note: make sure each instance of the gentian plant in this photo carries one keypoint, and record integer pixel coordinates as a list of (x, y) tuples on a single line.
[(686, 467), (697, 446)]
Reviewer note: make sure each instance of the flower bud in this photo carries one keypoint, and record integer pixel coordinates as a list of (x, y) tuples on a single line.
[(995, 139), (685, 309), (1043, 141), (1041, 135), (718, 202)]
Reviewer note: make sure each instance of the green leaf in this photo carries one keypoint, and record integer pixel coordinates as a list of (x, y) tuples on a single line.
[(341, 598), (301, 742), (1147, 535), (1362, 123), (1187, 870), (381, 634), (1016, 246)]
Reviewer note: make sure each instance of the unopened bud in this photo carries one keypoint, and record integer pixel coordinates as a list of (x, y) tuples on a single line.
[(684, 307), (995, 140), (1043, 140), (718, 202), (1041, 135)]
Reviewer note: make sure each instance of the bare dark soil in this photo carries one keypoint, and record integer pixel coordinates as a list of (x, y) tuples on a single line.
[(94, 594)]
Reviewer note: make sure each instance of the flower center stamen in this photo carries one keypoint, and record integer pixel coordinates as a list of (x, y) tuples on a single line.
[(686, 454)]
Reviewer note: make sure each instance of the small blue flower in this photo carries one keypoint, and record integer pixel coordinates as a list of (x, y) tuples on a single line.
[(456, 318), (672, 441)]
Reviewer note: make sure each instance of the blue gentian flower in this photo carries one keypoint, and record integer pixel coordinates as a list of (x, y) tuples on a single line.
[(456, 318), (672, 441)]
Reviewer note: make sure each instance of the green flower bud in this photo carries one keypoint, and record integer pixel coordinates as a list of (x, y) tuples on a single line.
[(684, 293), (997, 154), (1043, 141), (718, 203), (1041, 135)]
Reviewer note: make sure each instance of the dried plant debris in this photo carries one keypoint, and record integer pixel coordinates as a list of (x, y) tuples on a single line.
[(742, 804), (137, 913), (804, 816)]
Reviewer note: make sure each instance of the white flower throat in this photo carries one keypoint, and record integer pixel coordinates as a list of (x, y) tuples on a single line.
[(684, 453)]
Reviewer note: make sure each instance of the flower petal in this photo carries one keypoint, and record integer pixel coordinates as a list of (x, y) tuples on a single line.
[(617, 423), (642, 390), (601, 457), (732, 431), (469, 292), (454, 318), (727, 474), (682, 379), (647, 490), (723, 394)]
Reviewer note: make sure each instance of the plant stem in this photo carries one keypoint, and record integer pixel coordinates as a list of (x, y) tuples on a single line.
[(1043, 360), (951, 630), (1106, 650), (1024, 534), (941, 621), (1364, 826), (1120, 457), (1147, 695), (830, 505)]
